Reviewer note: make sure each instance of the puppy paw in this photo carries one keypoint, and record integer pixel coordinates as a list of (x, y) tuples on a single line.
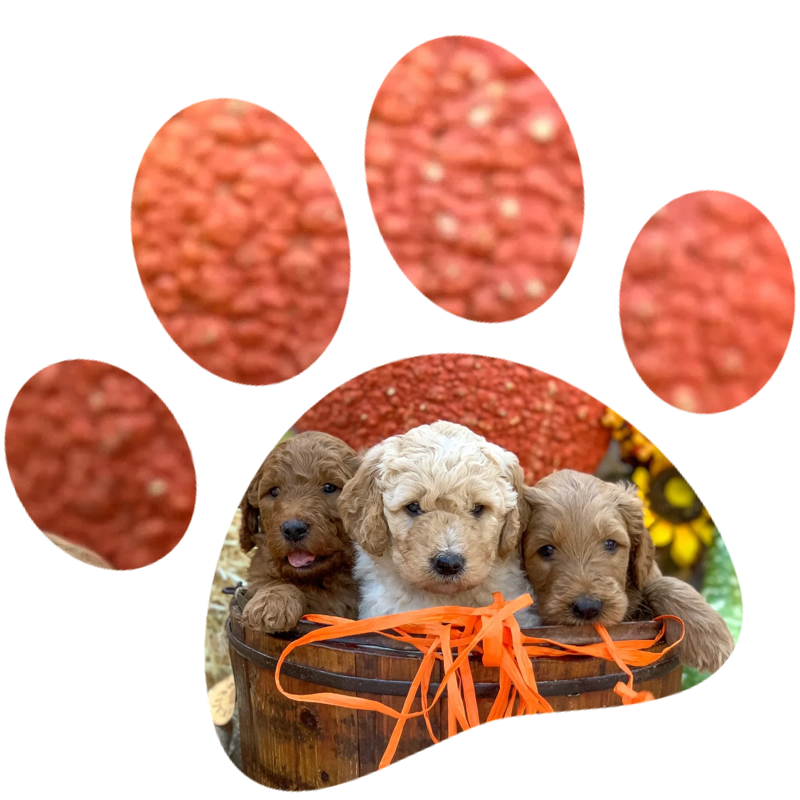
[(707, 647), (273, 610)]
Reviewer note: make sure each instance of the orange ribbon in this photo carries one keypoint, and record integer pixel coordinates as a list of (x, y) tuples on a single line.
[(492, 632)]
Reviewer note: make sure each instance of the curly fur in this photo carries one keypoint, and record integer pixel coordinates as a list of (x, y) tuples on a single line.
[(449, 471), (576, 514), (707, 642), (280, 594)]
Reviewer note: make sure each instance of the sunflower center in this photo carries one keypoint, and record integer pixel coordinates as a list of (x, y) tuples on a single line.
[(678, 493), (672, 498)]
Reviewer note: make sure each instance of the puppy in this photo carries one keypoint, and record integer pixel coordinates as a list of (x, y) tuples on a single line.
[(435, 519), (303, 558), (590, 559)]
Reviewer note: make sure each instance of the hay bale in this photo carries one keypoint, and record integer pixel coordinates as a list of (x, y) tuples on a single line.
[(231, 569)]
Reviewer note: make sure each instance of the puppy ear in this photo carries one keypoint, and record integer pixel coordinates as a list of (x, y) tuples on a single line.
[(348, 459), (517, 518), (352, 461), (249, 525), (361, 506), (643, 550), (531, 499), (250, 514)]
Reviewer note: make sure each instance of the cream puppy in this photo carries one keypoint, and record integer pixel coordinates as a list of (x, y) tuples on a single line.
[(435, 520)]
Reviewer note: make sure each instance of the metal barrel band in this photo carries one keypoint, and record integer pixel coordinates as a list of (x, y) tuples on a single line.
[(376, 686)]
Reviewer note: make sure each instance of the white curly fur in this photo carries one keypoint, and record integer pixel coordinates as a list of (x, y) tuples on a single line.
[(382, 591), (449, 471)]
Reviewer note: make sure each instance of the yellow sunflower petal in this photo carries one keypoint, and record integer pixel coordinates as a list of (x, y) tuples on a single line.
[(662, 532), (641, 477), (659, 461), (704, 528), (649, 517), (612, 420), (685, 546)]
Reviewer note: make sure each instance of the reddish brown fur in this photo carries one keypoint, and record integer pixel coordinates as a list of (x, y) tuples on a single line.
[(576, 514), (279, 593)]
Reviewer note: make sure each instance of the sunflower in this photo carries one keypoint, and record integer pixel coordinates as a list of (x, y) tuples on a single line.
[(613, 420), (632, 444), (638, 446), (674, 514)]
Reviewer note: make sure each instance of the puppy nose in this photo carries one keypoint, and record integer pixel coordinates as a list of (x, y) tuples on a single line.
[(448, 563), (586, 607), (294, 530)]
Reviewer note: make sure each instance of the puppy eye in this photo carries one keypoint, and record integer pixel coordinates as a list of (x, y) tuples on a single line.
[(329, 488), (414, 509), (610, 546), (546, 551), (274, 491), (477, 510)]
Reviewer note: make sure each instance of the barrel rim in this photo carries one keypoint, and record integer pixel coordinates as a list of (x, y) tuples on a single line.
[(375, 644), (378, 686)]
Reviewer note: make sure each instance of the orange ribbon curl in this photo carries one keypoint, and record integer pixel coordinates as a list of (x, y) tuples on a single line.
[(491, 631)]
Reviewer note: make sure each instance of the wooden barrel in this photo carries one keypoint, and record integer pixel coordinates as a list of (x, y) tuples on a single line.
[(286, 744)]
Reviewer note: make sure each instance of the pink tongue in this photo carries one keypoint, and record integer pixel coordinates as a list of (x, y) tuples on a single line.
[(300, 559)]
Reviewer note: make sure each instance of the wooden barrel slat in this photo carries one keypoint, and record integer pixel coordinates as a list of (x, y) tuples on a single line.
[(288, 744)]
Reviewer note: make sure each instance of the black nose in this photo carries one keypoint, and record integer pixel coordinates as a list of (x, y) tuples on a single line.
[(447, 563), (294, 530), (586, 607)]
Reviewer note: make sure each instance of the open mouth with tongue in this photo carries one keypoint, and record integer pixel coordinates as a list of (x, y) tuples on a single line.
[(300, 559)]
